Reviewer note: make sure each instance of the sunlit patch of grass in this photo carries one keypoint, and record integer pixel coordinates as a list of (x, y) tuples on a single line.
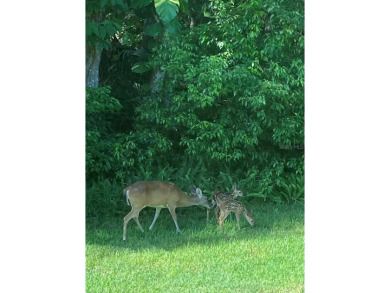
[(268, 257)]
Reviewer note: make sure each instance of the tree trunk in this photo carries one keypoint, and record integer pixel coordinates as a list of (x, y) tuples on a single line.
[(192, 22), (157, 74), (157, 80), (93, 56)]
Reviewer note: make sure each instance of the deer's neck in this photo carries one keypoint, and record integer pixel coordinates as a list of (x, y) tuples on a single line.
[(188, 200)]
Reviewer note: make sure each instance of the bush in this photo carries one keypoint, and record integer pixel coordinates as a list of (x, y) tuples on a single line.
[(105, 199), (230, 108)]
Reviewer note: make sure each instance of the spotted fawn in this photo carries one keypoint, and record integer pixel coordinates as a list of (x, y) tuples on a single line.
[(237, 208), (220, 196)]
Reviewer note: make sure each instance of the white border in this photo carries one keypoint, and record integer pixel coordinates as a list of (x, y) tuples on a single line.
[(42, 146), (346, 146)]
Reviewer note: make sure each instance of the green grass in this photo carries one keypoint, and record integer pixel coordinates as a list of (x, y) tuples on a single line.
[(268, 257)]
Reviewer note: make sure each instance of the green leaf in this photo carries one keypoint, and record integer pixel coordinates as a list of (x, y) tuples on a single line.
[(103, 3), (152, 44), (94, 27), (145, 87), (206, 13), (256, 194), (102, 32), (173, 26), (140, 3), (118, 26), (167, 9), (88, 29), (142, 53), (110, 29), (185, 6), (140, 67), (153, 30)]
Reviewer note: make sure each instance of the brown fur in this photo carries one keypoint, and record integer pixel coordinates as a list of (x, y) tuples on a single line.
[(220, 196), (237, 208), (159, 195)]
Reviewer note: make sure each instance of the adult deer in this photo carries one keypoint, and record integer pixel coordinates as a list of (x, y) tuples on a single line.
[(159, 195)]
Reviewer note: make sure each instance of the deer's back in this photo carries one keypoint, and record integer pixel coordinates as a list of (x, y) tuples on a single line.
[(220, 196), (154, 193), (233, 205)]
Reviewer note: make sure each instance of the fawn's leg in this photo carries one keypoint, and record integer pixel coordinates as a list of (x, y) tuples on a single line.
[(222, 218), (238, 220), (216, 211)]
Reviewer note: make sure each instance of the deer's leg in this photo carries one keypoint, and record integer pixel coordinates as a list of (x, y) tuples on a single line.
[(139, 225), (216, 212), (155, 217), (174, 216), (126, 219), (208, 212), (222, 218), (238, 220), (132, 215)]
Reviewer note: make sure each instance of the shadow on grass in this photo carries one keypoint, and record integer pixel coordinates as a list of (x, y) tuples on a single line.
[(271, 220)]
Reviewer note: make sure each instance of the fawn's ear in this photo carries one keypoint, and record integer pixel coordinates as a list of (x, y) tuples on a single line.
[(235, 186), (199, 192)]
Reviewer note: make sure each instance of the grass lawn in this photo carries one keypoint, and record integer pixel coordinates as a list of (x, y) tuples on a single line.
[(268, 257)]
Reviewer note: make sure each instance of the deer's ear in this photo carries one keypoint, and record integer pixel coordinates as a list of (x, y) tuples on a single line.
[(192, 190), (235, 186), (199, 192)]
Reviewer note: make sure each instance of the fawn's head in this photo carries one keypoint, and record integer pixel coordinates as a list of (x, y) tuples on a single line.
[(237, 191)]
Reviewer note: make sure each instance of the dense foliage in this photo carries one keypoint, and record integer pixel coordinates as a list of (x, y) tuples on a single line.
[(199, 92)]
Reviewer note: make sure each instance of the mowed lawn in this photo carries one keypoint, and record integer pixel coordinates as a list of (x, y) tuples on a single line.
[(268, 257)]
